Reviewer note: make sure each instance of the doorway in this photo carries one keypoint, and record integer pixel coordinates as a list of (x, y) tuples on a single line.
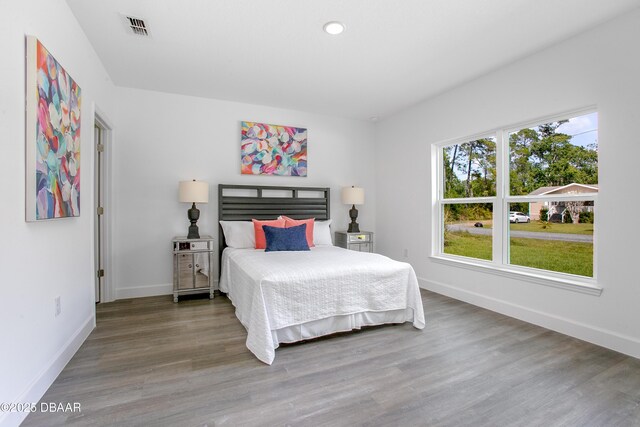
[(102, 209)]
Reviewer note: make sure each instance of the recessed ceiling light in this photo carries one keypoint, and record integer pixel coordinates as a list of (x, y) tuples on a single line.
[(334, 28)]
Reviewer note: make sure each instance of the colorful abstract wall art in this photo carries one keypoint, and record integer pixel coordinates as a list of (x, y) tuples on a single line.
[(52, 137), (273, 150)]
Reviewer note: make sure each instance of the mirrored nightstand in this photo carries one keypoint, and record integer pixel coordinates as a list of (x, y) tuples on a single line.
[(192, 266)]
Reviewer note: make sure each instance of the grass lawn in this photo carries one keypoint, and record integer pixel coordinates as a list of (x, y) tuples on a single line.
[(553, 227), (554, 255), (539, 226), (466, 244)]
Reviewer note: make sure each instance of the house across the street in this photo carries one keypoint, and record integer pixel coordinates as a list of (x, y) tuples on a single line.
[(557, 208)]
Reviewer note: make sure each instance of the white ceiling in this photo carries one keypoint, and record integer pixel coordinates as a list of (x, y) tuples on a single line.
[(394, 53)]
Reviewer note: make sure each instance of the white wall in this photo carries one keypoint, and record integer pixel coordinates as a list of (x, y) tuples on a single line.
[(601, 67), (166, 138), (39, 261)]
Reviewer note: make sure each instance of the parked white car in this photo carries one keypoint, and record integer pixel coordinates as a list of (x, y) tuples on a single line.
[(518, 217)]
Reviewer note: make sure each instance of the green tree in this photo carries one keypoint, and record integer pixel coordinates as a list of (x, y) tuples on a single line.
[(470, 169), (543, 156), (521, 169)]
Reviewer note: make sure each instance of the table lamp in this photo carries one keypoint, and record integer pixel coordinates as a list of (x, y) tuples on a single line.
[(193, 192), (353, 196)]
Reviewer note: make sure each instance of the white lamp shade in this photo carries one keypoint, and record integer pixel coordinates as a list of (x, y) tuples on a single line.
[(353, 196), (193, 192)]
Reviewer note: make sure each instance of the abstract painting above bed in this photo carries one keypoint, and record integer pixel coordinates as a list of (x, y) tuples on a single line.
[(273, 150), (52, 137)]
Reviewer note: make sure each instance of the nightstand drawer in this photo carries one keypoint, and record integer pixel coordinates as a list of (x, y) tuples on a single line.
[(199, 246), (355, 238), (361, 241)]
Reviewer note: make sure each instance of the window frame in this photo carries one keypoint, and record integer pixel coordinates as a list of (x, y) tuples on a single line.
[(501, 201)]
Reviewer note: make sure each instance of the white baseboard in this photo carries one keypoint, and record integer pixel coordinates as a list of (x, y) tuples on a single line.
[(47, 376), (595, 335), (146, 291)]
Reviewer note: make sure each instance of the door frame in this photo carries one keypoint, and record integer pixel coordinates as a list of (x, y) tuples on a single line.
[(107, 291)]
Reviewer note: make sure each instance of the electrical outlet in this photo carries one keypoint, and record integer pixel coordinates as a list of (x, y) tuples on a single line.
[(405, 253), (58, 306)]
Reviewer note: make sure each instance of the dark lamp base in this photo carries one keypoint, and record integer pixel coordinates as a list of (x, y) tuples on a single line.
[(353, 225), (194, 233), (193, 214)]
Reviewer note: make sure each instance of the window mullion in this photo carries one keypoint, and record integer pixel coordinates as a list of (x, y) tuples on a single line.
[(466, 200), (506, 192), (498, 206), (438, 227)]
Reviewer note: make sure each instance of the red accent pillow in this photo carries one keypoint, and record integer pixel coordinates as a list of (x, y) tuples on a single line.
[(290, 222), (261, 241)]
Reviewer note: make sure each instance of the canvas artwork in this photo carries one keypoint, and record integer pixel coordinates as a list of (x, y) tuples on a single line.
[(273, 150), (52, 137)]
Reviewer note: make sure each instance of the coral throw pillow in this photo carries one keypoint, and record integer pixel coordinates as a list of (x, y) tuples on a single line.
[(261, 241), (290, 222)]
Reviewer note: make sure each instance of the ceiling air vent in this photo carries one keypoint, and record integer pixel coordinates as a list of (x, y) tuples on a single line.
[(137, 26)]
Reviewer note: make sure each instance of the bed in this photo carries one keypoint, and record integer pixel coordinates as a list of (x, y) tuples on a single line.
[(285, 297)]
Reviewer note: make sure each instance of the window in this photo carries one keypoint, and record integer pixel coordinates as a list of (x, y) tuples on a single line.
[(521, 199), (469, 175)]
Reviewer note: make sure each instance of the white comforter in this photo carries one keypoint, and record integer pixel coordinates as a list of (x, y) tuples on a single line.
[(273, 290)]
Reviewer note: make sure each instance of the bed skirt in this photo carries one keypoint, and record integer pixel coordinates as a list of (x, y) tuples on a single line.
[(335, 324)]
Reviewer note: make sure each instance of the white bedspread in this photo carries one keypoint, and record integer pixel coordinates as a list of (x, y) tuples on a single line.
[(274, 290)]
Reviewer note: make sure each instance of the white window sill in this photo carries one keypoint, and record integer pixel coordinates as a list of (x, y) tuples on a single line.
[(583, 287)]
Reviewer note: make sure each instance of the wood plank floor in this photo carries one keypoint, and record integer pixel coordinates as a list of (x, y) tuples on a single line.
[(150, 362)]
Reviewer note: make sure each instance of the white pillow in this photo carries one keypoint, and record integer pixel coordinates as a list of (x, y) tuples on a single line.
[(322, 233), (239, 234)]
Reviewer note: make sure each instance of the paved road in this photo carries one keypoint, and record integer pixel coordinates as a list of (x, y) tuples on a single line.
[(586, 238)]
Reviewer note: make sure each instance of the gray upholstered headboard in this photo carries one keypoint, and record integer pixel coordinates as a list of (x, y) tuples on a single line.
[(244, 202)]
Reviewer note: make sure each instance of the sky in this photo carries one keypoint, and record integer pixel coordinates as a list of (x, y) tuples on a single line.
[(583, 129)]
